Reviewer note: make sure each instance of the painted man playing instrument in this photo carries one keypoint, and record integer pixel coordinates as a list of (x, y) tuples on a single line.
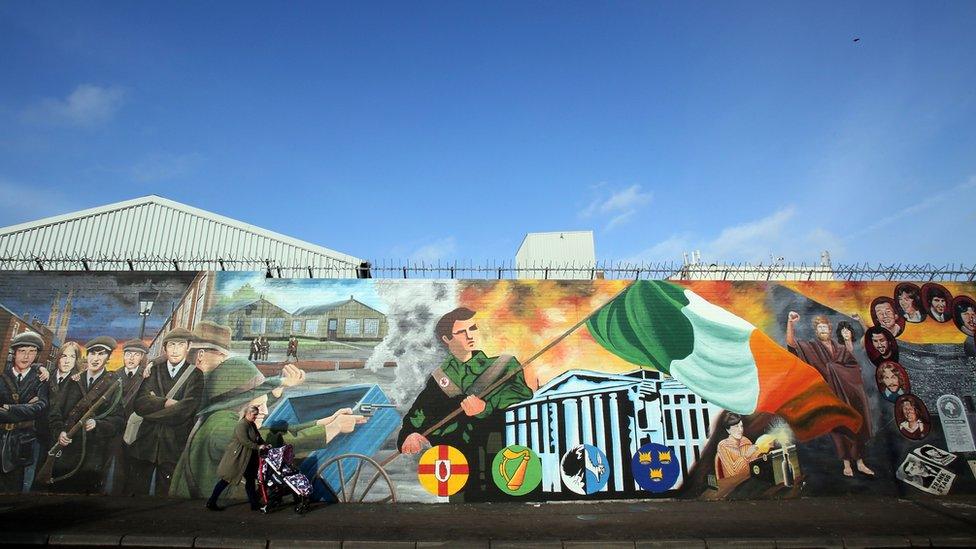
[(463, 381)]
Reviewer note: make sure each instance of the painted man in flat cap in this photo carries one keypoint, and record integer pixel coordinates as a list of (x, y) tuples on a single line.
[(80, 467), (167, 402), (68, 362), (23, 403), (133, 373)]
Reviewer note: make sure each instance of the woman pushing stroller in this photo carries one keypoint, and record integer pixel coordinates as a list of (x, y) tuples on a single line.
[(224, 429), (240, 460)]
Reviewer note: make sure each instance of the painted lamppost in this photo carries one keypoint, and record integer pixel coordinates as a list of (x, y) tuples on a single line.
[(146, 300)]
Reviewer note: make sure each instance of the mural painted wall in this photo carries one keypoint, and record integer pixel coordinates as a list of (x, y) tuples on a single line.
[(432, 391)]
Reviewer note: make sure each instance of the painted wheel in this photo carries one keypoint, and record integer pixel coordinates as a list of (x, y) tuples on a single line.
[(361, 479)]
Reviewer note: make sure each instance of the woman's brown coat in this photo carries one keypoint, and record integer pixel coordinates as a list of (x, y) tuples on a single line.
[(246, 439)]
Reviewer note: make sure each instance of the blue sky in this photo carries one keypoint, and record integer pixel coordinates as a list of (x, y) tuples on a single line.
[(430, 130)]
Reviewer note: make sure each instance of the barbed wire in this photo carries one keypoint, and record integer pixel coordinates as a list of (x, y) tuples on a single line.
[(500, 270)]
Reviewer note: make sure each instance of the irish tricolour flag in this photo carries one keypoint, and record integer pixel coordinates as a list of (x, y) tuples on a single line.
[(719, 356)]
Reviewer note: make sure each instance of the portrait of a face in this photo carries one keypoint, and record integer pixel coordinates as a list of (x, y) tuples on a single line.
[(912, 417), (880, 345), (884, 313), (964, 314), (892, 380), (908, 298), (937, 301)]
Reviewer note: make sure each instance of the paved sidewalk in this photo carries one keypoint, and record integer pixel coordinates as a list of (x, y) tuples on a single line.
[(817, 522)]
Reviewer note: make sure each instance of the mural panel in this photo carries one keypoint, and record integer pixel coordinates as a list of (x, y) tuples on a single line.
[(431, 391)]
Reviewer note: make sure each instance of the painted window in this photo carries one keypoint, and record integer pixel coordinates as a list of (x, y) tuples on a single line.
[(201, 295), (353, 327), (257, 325), (312, 326), (277, 325), (296, 326), (371, 327)]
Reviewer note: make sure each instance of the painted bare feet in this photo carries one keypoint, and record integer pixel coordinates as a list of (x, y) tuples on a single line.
[(848, 472), (864, 469)]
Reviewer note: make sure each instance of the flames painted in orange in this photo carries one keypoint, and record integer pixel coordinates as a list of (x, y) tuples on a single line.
[(746, 299), (522, 317)]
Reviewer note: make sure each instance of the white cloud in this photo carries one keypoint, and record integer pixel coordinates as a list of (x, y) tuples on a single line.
[(959, 192), (434, 251), (779, 234), (620, 206), (87, 106), (163, 166), (753, 239)]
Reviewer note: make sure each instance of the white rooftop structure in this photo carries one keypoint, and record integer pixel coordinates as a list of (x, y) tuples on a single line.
[(153, 233), (694, 268), (562, 255)]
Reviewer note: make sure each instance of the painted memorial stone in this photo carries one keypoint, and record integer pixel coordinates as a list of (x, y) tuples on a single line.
[(584, 469), (443, 470), (517, 470), (655, 467), (955, 424), (912, 417)]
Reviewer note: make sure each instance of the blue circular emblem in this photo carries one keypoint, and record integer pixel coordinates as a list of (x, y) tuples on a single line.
[(584, 469), (655, 467)]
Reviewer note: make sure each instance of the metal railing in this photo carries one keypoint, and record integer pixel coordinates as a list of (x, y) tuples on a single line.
[(488, 270)]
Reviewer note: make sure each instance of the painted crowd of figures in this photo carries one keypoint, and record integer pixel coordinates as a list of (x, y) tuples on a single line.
[(151, 427)]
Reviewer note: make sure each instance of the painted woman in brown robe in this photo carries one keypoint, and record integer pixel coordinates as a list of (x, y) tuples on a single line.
[(842, 372)]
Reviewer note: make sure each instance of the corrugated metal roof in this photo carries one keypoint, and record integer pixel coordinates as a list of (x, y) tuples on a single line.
[(546, 255), (152, 232)]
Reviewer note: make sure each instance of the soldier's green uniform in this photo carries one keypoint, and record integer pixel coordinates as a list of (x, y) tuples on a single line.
[(478, 437)]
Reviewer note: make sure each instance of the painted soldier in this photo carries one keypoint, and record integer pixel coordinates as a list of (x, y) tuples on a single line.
[(23, 403), (463, 381), (292, 348), (68, 363), (133, 374), (255, 349), (167, 402), (81, 462)]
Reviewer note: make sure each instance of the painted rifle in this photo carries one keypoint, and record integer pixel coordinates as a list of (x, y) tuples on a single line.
[(45, 473)]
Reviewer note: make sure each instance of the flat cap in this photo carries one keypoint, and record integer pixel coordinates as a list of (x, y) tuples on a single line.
[(101, 343), (27, 339), (135, 345), (178, 334), (210, 335)]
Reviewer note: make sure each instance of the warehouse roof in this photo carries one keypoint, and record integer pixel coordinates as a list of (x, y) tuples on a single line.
[(155, 233)]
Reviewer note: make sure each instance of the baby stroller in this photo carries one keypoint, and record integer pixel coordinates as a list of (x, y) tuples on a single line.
[(279, 477)]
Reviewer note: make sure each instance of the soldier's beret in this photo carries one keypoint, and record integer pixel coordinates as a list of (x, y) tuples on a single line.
[(135, 345), (101, 343), (27, 339), (178, 334)]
